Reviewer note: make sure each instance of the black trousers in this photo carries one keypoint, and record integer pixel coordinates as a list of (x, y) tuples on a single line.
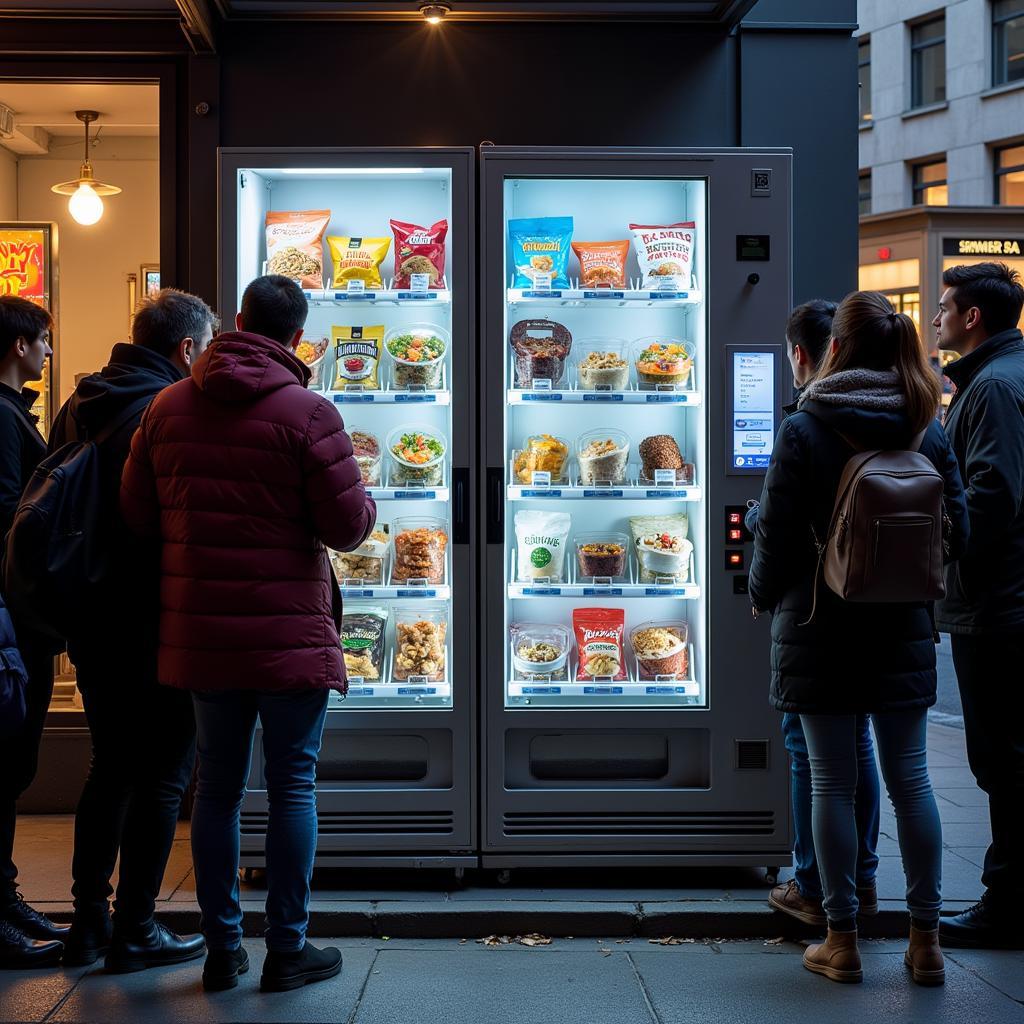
[(19, 756), (143, 749), (988, 670)]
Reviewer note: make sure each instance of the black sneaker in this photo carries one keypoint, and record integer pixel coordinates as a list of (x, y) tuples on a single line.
[(30, 922), (979, 927), (222, 968), (158, 948), (283, 972), (18, 950), (88, 940)]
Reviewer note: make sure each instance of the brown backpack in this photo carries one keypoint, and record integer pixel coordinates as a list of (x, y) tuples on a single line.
[(885, 539)]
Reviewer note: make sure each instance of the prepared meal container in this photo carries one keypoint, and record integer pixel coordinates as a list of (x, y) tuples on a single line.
[(539, 650), (420, 642), (366, 562), (313, 352), (541, 453), (601, 555), (603, 456), (367, 452), (661, 649), (602, 365), (599, 643), (541, 540), (539, 349), (660, 452), (362, 640), (420, 543), (417, 355), (417, 456), (662, 548), (663, 362)]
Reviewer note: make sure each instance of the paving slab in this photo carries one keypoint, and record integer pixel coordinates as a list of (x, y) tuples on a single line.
[(31, 995), (968, 796), (1003, 969)]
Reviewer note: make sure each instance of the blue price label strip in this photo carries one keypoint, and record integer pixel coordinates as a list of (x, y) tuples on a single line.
[(602, 591), (676, 399), (538, 492), (339, 399), (541, 689), (356, 296), (668, 494), (360, 691), (414, 495), (353, 592), (542, 591), (603, 397), (542, 396), (415, 398), (668, 295), (604, 295), (664, 689), (602, 689), (416, 296), (664, 591), (603, 493), (542, 295), (414, 592), (406, 691)]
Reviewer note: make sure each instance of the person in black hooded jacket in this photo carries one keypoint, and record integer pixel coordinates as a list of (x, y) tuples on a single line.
[(143, 734), (875, 390)]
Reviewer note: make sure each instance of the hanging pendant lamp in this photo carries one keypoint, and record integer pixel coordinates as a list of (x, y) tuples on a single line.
[(85, 204)]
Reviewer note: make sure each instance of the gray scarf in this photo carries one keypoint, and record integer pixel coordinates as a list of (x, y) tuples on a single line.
[(860, 389)]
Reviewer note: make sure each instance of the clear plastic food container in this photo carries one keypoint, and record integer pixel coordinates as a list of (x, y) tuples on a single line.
[(367, 451), (313, 353), (417, 456), (603, 456), (602, 364), (601, 555), (661, 649), (541, 453), (664, 556), (366, 562), (419, 547), (421, 633), (539, 650), (540, 349), (417, 352), (663, 362)]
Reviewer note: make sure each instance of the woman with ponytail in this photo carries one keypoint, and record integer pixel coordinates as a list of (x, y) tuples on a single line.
[(874, 390)]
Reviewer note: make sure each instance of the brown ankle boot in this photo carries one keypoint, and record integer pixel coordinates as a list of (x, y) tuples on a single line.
[(837, 958), (924, 958)]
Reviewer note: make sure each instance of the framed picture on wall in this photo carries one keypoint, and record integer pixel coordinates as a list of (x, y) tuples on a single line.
[(149, 279)]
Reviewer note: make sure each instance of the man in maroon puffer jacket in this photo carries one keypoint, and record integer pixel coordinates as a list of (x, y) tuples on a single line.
[(245, 475)]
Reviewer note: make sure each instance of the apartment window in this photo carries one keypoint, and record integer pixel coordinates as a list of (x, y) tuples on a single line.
[(864, 77), (928, 62), (864, 193), (1009, 161), (930, 184), (1007, 41)]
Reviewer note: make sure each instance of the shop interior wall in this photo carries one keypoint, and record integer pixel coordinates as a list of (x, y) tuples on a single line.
[(8, 185)]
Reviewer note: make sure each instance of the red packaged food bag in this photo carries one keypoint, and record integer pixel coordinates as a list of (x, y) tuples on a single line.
[(419, 251), (599, 635)]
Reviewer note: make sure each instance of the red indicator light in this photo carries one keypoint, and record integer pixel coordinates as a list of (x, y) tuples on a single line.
[(885, 253), (735, 558), (735, 535), (735, 518)]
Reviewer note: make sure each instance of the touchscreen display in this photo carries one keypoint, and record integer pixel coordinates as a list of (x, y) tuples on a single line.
[(753, 409)]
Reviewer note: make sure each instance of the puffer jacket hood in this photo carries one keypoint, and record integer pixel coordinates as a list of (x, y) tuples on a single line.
[(241, 367)]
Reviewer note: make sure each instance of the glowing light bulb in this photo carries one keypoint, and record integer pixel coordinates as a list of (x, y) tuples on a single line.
[(85, 205)]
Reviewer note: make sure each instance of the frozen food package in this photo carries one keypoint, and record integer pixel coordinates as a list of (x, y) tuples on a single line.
[(540, 349), (662, 547), (541, 539), (357, 352), (420, 638), (420, 543), (362, 640), (602, 264), (367, 452), (419, 251), (599, 636), (661, 649), (540, 250), (366, 563), (357, 259), (665, 254), (295, 245)]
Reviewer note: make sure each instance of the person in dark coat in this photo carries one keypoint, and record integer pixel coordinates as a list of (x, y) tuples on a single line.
[(876, 390), (24, 349), (983, 609), (137, 777), (244, 475), (808, 332)]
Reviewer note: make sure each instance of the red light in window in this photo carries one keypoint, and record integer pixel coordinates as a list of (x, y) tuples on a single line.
[(885, 253)]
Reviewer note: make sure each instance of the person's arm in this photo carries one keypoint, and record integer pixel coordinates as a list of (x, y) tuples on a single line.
[(11, 454), (140, 504), (342, 512), (954, 504)]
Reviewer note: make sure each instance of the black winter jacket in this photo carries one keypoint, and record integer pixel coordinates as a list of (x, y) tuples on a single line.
[(985, 423), (121, 632), (21, 449), (854, 658)]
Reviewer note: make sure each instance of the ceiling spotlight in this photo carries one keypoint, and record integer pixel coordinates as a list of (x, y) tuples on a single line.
[(85, 204), (434, 13)]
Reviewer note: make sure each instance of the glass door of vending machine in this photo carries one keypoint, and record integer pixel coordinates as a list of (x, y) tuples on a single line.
[(382, 244), (608, 695)]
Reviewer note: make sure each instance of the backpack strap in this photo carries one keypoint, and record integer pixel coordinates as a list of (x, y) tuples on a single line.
[(122, 419)]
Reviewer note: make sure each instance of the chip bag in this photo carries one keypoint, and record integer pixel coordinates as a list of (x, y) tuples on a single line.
[(599, 643), (419, 251), (295, 245), (540, 250), (665, 253), (602, 264), (357, 353), (358, 259)]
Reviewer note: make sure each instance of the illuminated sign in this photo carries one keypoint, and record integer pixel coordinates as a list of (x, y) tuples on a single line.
[(983, 247), (23, 263)]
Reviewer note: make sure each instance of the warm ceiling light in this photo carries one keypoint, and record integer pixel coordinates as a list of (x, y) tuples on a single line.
[(434, 13), (85, 204)]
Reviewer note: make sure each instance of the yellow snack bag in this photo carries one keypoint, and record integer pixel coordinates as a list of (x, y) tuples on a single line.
[(357, 356), (358, 259)]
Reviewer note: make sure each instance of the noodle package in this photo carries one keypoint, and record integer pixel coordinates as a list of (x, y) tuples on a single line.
[(358, 259), (665, 253), (540, 250), (295, 245), (419, 251)]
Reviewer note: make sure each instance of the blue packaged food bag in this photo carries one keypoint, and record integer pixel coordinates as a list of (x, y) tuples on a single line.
[(540, 250)]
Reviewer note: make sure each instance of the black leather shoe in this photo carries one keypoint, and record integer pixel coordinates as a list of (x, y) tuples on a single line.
[(222, 968), (30, 922), (18, 951), (158, 948), (283, 972), (87, 941), (982, 928)]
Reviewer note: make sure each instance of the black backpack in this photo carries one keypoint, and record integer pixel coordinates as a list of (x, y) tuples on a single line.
[(57, 551)]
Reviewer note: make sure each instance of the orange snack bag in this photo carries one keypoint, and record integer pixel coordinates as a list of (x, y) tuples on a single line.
[(295, 245), (602, 264)]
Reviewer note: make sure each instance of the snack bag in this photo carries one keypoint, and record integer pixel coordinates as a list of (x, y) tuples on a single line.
[(419, 251), (362, 640), (599, 643), (602, 264), (357, 352), (540, 250), (295, 245), (665, 253), (358, 259)]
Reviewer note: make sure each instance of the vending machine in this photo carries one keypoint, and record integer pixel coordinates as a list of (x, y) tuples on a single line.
[(383, 244), (633, 372)]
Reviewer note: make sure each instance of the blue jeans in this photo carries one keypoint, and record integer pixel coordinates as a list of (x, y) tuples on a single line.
[(866, 804), (902, 749), (293, 724)]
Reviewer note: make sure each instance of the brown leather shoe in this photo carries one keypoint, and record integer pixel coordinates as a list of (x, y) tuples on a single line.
[(837, 958), (867, 897), (790, 900), (924, 957)]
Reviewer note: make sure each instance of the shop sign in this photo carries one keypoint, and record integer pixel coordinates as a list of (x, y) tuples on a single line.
[(22, 263), (983, 246)]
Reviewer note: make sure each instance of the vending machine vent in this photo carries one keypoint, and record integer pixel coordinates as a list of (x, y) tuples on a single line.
[(367, 823), (752, 755), (641, 823)]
